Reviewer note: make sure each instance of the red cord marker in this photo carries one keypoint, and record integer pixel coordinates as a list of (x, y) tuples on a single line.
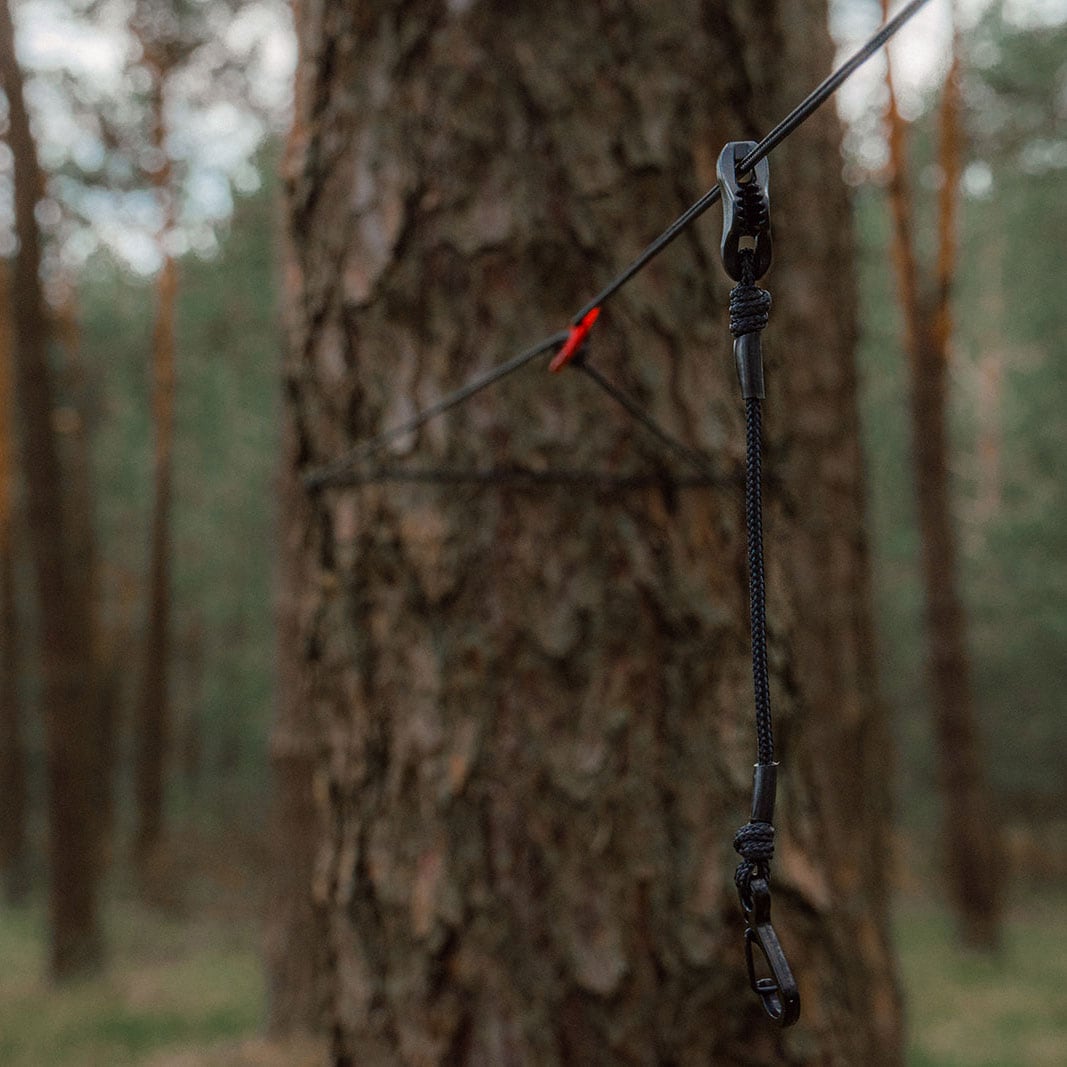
[(575, 341)]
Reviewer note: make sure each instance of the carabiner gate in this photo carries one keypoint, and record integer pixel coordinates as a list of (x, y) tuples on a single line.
[(779, 993)]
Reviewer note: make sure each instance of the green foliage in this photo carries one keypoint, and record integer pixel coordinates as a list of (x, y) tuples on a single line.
[(226, 426), (1010, 440)]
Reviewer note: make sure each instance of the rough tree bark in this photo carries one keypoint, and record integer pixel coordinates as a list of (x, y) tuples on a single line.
[(970, 836), (67, 661), (153, 710), (536, 706), (296, 956), (14, 855)]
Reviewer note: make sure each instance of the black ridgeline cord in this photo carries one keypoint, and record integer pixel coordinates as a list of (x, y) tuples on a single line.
[(799, 115), (517, 477), (695, 459), (338, 471), (333, 472), (822, 92)]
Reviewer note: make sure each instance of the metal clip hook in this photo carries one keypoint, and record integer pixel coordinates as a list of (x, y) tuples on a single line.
[(779, 993), (745, 209)]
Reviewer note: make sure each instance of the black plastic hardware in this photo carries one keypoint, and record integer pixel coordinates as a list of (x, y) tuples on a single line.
[(779, 993), (764, 788), (748, 358), (746, 208)]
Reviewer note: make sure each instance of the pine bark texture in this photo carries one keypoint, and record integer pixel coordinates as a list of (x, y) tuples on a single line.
[(67, 662), (534, 709), (296, 951), (971, 841), (296, 956)]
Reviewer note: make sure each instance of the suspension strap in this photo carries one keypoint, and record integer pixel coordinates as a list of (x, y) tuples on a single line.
[(746, 255)]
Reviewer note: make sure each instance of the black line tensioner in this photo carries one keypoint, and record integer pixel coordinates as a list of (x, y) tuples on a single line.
[(746, 255)]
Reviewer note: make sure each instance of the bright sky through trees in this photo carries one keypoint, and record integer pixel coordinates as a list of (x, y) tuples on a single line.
[(84, 80), (86, 92)]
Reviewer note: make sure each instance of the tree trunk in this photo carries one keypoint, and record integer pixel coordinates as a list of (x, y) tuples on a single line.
[(536, 705), (14, 854), (153, 717), (970, 837), (74, 420), (67, 663), (296, 962), (296, 957)]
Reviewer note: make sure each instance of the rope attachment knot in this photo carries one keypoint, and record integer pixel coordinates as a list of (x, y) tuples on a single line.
[(754, 843), (750, 311), (750, 306)]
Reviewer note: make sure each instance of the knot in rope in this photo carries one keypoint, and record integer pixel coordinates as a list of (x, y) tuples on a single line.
[(754, 843), (750, 306)]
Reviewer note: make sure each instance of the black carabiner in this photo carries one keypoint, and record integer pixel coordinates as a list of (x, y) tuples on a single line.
[(746, 209), (779, 993)]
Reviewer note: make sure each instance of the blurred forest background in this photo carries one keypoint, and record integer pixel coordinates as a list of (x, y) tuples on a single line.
[(161, 174)]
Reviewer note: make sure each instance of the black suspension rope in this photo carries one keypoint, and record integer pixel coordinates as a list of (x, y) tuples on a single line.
[(797, 117), (606, 481), (330, 473), (334, 472), (746, 255), (695, 459), (757, 590)]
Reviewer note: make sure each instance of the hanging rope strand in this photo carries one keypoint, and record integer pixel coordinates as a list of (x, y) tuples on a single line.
[(757, 591), (746, 256)]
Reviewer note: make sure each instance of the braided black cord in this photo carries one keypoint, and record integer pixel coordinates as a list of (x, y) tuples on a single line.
[(750, 306), (754, 842), (749, 313), (757, 592)]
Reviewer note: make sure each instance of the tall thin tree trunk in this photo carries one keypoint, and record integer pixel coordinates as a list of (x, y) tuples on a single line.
[(970, 836), (14, 854), (67, 661), (535, 706), (75, 422), (153, 719)]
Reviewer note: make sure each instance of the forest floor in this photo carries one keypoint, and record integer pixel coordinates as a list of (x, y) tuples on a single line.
[(186, 990)]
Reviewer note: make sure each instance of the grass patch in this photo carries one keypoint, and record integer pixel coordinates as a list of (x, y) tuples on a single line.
[(169, 984), (967, 1009), (188, 992)]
